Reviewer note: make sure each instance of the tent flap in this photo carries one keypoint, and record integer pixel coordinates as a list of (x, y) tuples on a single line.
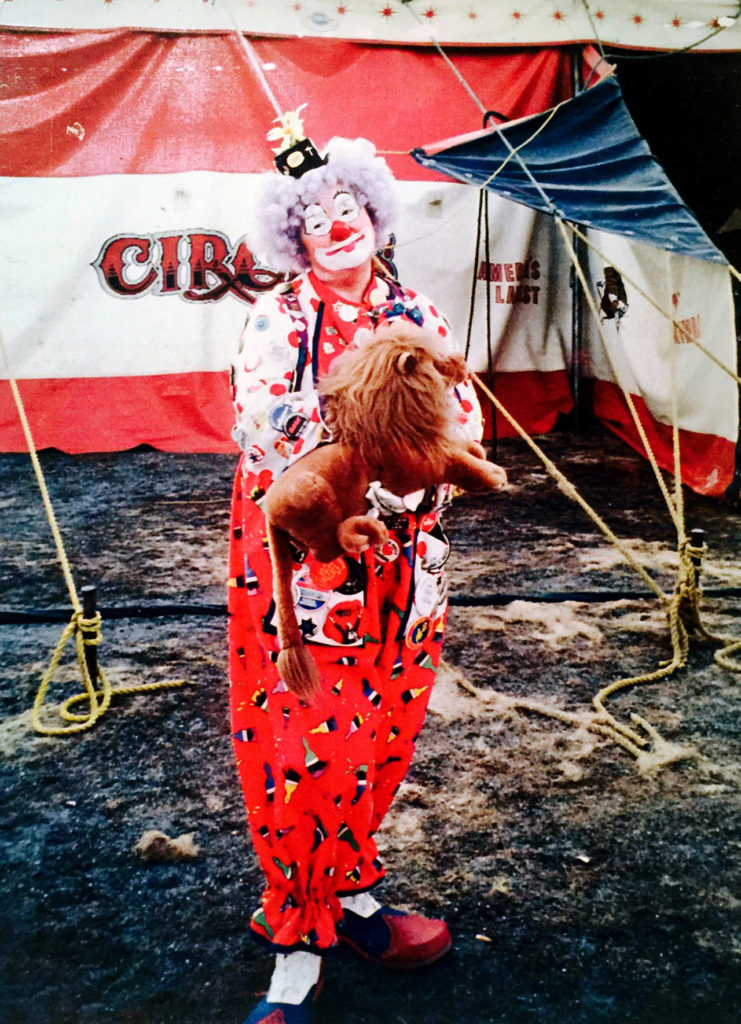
[(584, 161)]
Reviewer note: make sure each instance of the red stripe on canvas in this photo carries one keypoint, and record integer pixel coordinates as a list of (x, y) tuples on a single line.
[(707, 460), (124, 102), (192, 412), (188, 412)]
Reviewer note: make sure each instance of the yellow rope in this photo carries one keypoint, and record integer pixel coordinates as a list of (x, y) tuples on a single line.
[(682, 609), (98, 700), (626, 394), (568, 488), (687, 594), (621, 734), (683, 612), (85, 631), (685, 622), (61, 553), (680, 649), (522, 145), (724, 659)]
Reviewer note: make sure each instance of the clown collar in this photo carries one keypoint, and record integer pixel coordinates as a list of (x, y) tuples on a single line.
[(376, 292)]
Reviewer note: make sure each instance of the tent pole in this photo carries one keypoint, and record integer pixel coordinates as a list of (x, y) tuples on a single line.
[(577, 310), (577, 339), (489, 354), (733, 491), (472, 301)]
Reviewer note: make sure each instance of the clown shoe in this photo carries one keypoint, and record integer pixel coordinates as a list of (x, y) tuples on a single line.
[(390, 937)]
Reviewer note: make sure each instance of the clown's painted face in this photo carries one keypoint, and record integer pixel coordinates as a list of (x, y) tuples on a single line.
[(337, 233)]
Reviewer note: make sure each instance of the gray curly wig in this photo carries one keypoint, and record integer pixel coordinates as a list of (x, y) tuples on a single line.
[(278, 215)]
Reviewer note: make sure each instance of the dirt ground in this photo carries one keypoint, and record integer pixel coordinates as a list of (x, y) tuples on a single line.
[(582, 886)]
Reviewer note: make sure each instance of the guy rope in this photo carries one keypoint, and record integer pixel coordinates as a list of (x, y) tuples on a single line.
[(682, 608), (84, 626)]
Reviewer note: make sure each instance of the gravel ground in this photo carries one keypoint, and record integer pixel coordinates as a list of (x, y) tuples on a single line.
[(583, 886)]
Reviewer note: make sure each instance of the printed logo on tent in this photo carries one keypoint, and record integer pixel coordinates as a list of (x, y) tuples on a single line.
[(511, 281), (614, 300), (687, 330), (199, 266)]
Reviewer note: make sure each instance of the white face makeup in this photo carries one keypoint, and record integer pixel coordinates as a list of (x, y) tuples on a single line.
[(317, 221), (337, 233)]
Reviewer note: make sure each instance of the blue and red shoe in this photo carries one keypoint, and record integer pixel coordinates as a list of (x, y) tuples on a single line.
[(281, 1013), (394, 939), (286, 1013)]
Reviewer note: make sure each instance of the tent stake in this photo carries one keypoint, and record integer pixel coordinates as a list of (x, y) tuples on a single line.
[(697, 539), (89, 610)]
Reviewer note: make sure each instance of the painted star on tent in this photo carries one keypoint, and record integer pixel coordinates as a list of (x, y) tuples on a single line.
[(637, 19), (472, 15), (342, 9), (386, 12), (516, 15), (429, 13), (676, 22), (599, 15), (558, 15)]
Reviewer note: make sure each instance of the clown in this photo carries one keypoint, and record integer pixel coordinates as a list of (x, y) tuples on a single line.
[(318, 776)]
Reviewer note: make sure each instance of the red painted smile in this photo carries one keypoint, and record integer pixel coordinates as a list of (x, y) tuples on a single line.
[(346, 246)]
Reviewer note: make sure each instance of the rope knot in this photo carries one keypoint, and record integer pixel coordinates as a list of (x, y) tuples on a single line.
[(97, 692), (89, 629), (692, 554), (687, 591)]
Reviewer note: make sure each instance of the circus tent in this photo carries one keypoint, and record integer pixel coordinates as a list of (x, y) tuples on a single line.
[(132, 134)]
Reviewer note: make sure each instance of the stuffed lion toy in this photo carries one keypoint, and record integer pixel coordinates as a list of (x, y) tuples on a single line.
[(389, 407)]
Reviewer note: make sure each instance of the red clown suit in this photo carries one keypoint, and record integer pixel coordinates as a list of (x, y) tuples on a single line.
[(318, 778)]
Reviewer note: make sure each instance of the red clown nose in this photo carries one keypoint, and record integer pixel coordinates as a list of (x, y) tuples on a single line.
[(339, 231)]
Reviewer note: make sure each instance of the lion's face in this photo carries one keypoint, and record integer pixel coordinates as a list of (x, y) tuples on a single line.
[(390, 401)]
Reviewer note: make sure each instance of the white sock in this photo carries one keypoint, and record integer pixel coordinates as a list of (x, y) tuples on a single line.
[(293, 977), (363, 904)]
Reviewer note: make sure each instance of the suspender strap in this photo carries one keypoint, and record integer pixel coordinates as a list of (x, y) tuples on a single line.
[(396, 292), (302, 330), (315, 341), (315, 354)]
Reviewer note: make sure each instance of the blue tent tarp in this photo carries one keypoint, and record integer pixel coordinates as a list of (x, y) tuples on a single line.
[(590, 165)]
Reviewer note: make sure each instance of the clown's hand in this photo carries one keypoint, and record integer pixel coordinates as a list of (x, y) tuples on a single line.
[(358, 533)]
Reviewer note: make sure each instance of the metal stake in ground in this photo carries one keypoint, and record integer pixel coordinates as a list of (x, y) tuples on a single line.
[(89, 610), (697, 540)]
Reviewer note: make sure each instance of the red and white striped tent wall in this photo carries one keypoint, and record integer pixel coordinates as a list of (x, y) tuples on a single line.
[(131, 138)]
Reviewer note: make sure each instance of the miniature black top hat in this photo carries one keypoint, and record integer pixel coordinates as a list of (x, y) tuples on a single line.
[(296, 155)]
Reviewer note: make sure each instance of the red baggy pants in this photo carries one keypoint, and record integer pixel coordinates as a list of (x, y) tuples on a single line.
[(319, 778)]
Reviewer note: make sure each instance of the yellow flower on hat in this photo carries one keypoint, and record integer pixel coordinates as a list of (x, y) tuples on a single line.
[(290, 129)]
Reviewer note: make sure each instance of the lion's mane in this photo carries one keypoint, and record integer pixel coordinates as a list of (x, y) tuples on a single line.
[(390, 397)]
